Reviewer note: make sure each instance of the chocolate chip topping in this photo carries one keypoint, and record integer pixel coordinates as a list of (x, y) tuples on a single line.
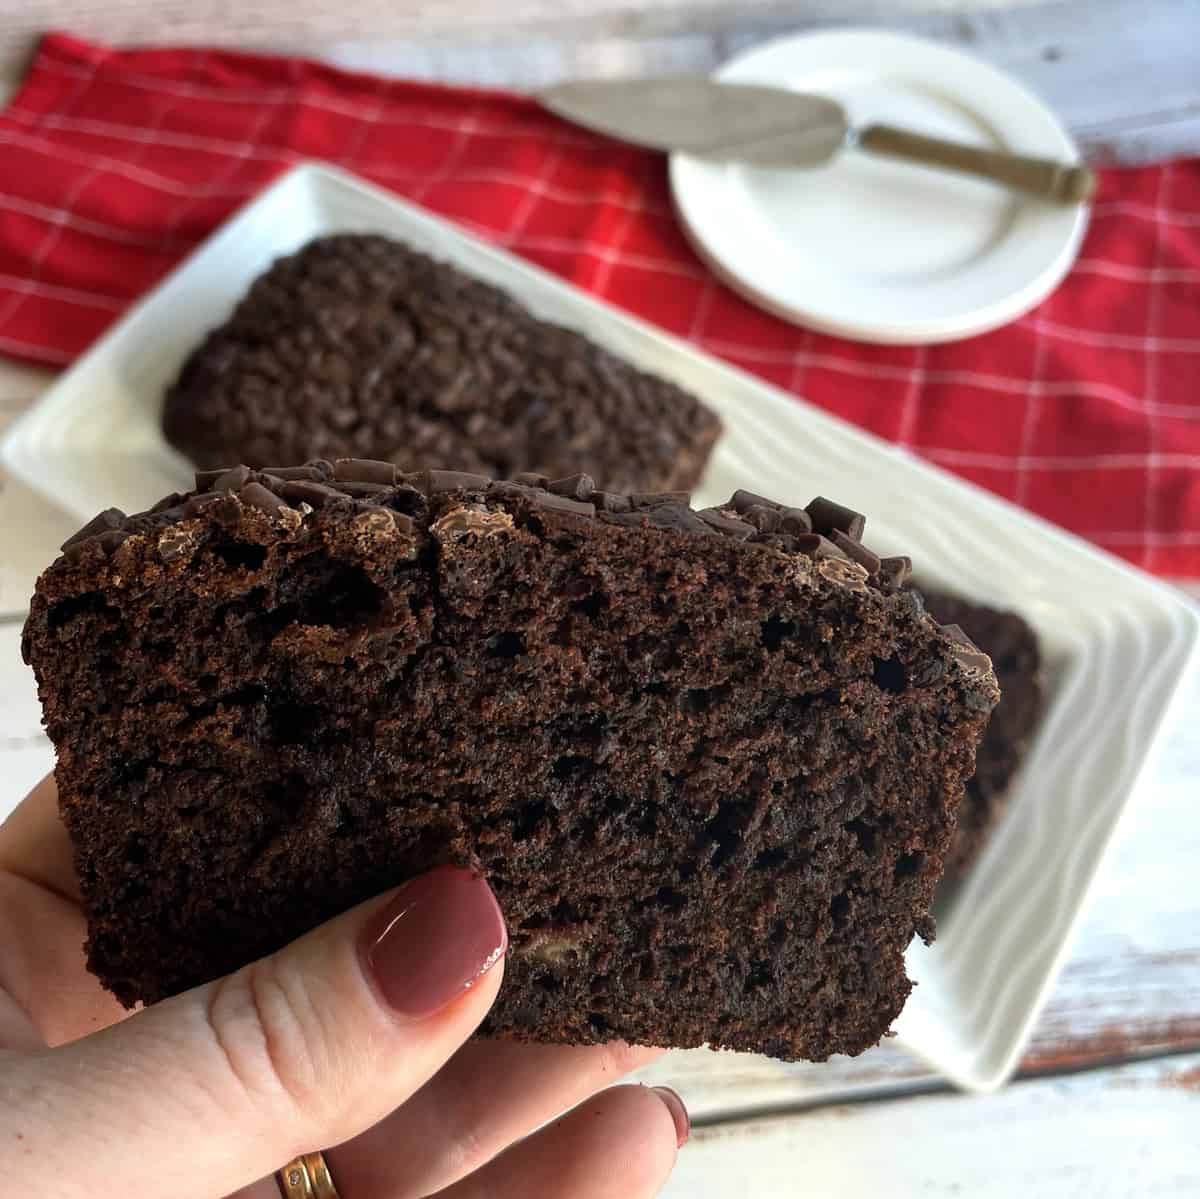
[(728, 526), (826, 548), (206, 478), (895, 571), (233, 479), (316, 495), (257, 496), (795, 521), (856, 551), (654, 499), (829, 517), (575, 487), (437, 482), (741, 501), (547, 501), (110, 518), (609, 501), (287, 472), (365, 470), (360, 345), (823, 531), (364, 490)]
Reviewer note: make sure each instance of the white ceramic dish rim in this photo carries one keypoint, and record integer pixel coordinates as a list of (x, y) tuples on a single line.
[(967, 534), (1040, 246)]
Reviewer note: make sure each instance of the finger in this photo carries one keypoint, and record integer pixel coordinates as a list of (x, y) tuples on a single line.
[(34, 844), (621, 1144), (42, 965), (203, 1093), (41, 927), (488, 1095)]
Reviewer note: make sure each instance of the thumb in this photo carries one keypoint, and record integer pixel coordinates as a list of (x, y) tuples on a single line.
[(203, 1093)]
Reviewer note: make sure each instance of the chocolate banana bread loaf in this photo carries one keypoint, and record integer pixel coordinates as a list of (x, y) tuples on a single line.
[(1013, 647), (709, 761), (361, 345)]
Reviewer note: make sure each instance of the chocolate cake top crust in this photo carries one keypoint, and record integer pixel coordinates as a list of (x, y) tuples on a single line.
[(709, 761), (361, 345), (824, 531), (1012, 645)]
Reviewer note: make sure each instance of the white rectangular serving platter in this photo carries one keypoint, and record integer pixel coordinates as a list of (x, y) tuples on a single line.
[(1116, 643)]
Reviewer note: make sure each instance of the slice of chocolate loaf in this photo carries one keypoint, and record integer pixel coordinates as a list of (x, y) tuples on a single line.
[(1013, 647), (709, 761), (361, 345)]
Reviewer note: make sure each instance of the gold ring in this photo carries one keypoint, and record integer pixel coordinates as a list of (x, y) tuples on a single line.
[(307, 1177)]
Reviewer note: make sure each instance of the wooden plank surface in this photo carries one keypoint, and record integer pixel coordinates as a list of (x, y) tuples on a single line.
[(1092, 60), (309, 23), (1122, 1133)]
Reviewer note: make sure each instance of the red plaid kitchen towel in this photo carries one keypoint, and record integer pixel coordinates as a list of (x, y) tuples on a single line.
[(114, 164)]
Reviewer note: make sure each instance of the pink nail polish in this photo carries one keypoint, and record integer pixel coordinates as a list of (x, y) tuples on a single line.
[(679, 1113), (434, 940)]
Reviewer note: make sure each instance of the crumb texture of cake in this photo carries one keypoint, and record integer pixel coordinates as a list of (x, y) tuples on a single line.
[(358, 344), (709, 761), (1007, 638)]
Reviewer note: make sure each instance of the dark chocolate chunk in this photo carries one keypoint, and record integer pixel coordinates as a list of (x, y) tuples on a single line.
[(206, 478), (809, 543), (549, 502), (110, 518), (636, 520), (727, 526), (610, 501), (828, 516), (742, 500), (258, 496), (502, 487), (856, 551), (764, 519), (652, 499), (113, 538), (894, 572), (662, 516), (364, 470), (440, 481), (531, 478), (826, 549), (574, 487), (301, 491), (795, 521), (232, 480), (364, 490), (292, 472)]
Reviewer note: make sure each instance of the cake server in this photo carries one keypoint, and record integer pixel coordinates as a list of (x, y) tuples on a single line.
[(771, 126)]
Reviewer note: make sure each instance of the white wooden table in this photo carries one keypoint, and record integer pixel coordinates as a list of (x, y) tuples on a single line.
[(1108, 1098)]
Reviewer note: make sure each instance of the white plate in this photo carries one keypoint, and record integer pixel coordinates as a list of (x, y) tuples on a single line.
[(1117, 643), (875, 249)]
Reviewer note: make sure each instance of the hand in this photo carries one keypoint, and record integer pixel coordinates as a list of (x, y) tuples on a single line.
[(352, 1037)]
